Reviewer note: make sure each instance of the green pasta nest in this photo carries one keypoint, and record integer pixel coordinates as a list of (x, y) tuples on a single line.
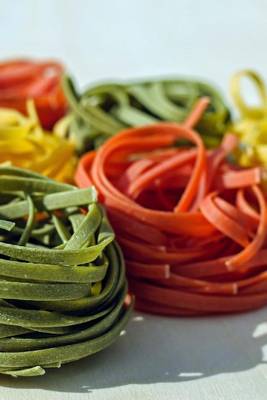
[(105, 109), (63, 287)]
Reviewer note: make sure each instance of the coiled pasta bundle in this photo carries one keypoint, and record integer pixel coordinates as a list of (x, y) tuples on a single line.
[(24, 79), (191, 224), (103, 110), (25, 144), (251, 127), (62, 281)]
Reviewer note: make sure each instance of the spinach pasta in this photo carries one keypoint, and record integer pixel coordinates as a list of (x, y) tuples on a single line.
[(62, 281), (105, 109)]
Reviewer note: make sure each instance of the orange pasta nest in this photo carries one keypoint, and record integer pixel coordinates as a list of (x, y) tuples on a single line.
[(191, 224), (24, 79)]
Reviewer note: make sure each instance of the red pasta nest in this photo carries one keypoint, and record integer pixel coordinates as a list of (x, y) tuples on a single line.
[(192, 225), (26, 79)]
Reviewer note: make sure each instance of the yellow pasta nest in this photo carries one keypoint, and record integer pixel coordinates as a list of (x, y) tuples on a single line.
[(25, 144), (251, 128)]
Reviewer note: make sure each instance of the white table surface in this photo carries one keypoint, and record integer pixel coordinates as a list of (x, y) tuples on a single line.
[(218, 358)]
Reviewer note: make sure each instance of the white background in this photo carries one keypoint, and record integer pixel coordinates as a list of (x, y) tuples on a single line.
[(100, 39), (158, 358)]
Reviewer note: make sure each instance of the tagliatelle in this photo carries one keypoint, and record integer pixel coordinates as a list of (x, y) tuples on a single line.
[(251, 128), (105, 109), (62, 279), (25, 144), (192, 225), (25, 79)]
